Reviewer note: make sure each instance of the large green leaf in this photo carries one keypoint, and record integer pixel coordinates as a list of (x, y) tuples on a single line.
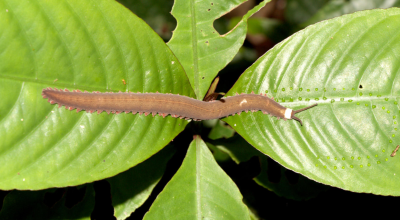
[(202, 51), (350, 67), (87, 45), (199, 190)]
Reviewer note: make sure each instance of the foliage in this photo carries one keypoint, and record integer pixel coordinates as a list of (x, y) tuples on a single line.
[(348, 65)]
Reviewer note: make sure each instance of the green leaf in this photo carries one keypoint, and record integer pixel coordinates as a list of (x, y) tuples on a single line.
[(199, 190), (351, 70), (130, 189), (219, 155), (29, 205), (202, 51), (86, 45), (237, 148), (221, 130), (341, 7), (240, 151)]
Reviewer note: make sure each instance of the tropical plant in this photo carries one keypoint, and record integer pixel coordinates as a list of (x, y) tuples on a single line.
[(348, 65)]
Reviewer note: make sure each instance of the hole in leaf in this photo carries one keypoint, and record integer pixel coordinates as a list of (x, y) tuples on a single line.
[(360, 86), (225, 23)]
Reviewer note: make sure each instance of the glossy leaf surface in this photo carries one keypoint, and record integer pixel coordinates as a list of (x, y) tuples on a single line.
[(86, 45), (350, 67)]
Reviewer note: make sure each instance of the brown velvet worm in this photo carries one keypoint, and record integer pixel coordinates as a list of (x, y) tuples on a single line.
[(168, 104)]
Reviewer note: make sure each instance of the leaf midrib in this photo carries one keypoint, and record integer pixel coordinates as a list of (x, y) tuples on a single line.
[(194, 46), (198, 177), (329, 100)]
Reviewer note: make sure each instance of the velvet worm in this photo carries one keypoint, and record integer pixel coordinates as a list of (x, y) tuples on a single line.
[(168, 104)]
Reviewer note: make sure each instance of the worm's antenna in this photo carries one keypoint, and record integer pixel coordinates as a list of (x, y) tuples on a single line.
[(297, 119), (303, 109), (300, 110)]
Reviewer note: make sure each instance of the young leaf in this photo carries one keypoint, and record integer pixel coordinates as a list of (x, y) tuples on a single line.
[(199, 190)]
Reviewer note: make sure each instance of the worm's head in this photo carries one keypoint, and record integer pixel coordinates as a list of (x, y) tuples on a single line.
[(289, 113)]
